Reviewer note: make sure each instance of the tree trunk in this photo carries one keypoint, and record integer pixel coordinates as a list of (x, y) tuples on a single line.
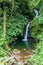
[(4, 30)]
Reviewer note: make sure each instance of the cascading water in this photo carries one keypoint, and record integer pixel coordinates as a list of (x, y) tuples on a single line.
[(36, 12), (28, 29), (26, 33)]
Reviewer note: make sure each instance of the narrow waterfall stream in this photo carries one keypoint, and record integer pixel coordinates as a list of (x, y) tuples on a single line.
[(26, 33), (28, 29)]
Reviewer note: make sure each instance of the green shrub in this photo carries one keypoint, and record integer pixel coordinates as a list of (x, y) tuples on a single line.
[(37, 58), (3, 52), (37, 31), (15, 26)]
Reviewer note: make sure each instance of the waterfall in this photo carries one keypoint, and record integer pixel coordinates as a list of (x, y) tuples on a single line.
[(36, 12), (28, 30), (28, 26), (26, 33)]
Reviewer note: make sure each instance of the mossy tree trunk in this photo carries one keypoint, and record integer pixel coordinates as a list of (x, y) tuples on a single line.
[(4, 24), (5, 45), (4, 28)]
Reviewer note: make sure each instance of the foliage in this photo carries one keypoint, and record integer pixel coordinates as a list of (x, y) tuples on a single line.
[(32, 4), (15, 26), (3, 52), (37, 58), (37, 24), (37, 31), (11, 23), (14, 15)]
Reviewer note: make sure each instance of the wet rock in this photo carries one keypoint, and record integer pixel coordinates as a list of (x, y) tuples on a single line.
[(20, 57)]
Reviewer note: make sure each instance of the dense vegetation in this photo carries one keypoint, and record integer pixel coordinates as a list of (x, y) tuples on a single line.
[(14, 16)]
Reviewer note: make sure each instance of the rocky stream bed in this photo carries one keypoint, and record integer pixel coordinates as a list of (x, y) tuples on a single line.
[(19, 57)]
